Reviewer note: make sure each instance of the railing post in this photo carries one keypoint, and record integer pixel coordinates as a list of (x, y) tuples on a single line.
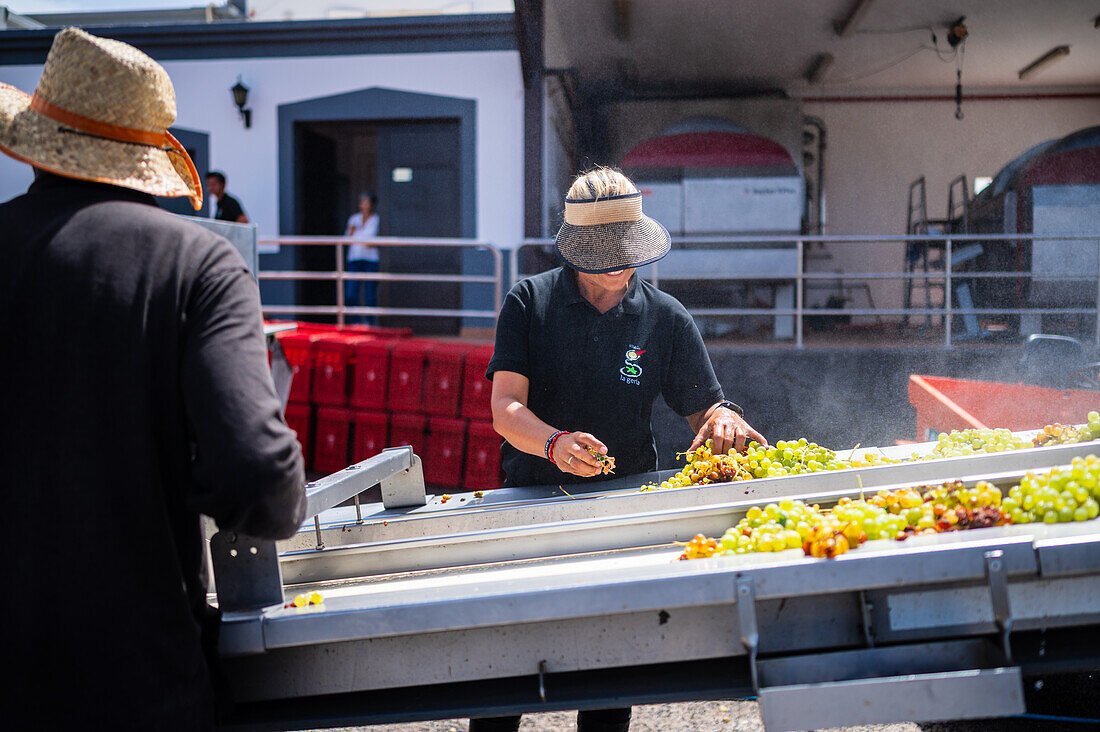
[(340, 283), (798, 298), (498, 277), (947, 292), (1097, 341)]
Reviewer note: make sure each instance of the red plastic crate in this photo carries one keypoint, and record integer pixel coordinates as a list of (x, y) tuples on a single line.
[(442, 393), (330, 441), (476, 389), (409, 429), (353, 329), (371, 373), (377, 331), (304, 326), (482, 457), (446, 448), (299, 417), (407, 362), (332, 365), (371, 431), (298, 348)]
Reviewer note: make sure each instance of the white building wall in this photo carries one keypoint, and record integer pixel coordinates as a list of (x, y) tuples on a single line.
[(249, 157), (876, 149)]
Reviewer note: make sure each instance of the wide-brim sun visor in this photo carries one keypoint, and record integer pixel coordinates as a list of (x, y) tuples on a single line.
[(610, 234)]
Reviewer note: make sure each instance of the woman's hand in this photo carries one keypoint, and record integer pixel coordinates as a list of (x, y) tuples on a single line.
[(571, 454), (727, 429)]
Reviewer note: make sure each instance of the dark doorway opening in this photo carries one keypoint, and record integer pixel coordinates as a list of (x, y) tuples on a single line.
[(425, 160), (414, 167)]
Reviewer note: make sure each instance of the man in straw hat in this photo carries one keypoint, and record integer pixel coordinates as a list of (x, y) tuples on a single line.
[(136, 396), (582, 352)]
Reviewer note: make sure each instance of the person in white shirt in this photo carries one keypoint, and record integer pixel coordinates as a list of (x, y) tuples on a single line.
[(362, 227)]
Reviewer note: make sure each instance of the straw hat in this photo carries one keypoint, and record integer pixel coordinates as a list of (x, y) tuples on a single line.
[(101, 112), (608, 234)]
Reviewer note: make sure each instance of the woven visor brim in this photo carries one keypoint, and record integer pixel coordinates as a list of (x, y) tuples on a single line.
[(33, 138), (610, 247)]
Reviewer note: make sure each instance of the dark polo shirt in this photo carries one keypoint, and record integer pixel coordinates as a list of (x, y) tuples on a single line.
[(599, 373), (229, 208)]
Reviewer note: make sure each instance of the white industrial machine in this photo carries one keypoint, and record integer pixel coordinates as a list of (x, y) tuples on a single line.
[(1051, 189), (708, 181)]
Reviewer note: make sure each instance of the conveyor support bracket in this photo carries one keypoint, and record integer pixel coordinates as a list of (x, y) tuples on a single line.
[(405, 487), (746, 616), (997, 576), (246, 571)]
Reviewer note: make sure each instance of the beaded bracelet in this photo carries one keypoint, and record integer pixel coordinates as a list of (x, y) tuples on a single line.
[(549, 448)]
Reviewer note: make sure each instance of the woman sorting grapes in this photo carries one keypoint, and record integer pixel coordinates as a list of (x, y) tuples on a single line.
[(582, 352)]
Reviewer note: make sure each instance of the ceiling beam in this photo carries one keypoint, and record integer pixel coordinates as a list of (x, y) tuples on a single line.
[(821, 63), (1043, 61), (848, 26)]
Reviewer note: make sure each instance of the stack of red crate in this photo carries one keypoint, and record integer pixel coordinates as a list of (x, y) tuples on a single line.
[(297, 346), (321, 359), (482, 441), (358, 390)]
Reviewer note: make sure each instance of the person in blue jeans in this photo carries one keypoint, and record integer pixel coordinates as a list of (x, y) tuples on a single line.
[(362, 227)]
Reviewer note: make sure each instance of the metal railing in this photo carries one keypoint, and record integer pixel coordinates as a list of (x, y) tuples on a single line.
[(793, 272), (796, 275), (340, 276)]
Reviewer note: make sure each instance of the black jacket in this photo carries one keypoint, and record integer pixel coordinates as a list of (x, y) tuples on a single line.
[(134, 395)]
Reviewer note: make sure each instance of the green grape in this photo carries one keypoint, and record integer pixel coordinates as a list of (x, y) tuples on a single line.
[(970, 441), (1060, 494)]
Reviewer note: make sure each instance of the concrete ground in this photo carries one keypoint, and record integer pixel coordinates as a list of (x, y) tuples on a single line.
[(722, 716)]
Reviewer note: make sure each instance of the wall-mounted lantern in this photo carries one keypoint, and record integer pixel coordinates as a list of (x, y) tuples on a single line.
[(240, 98)]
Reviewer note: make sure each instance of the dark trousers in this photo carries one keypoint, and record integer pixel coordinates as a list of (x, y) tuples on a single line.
[(360, 294), (589, 720)]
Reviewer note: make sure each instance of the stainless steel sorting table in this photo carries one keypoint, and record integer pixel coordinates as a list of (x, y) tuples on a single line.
[(531, 600)]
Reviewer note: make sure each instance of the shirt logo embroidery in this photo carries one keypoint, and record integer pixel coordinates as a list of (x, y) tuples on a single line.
[(631, 371)]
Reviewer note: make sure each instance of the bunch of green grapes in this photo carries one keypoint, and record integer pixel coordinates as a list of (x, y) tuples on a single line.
[(1091, 429), (792, 524), (790, 457), (775, 527), (952, 506), (955, 493), (876, 521), (1056, 434), (973, 441), (704, 467), (1061, 434), (785, 457), (1063, 494)]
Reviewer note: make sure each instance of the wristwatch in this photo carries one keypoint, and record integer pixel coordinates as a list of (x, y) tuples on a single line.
[(731, 406)]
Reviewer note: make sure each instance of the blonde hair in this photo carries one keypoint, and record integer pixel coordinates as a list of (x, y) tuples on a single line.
[(600, 182)]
